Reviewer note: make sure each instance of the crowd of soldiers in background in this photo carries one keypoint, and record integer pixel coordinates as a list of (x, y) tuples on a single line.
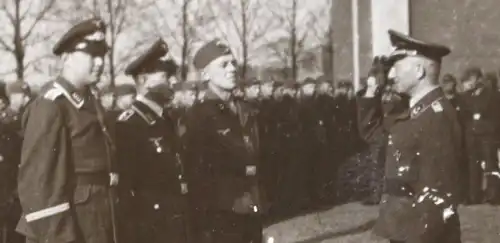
[(314, 156)]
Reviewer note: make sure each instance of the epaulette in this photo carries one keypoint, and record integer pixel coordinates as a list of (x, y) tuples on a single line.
[(125, 115), (437, 107), (53, 93), (147, 118), (74, 98)]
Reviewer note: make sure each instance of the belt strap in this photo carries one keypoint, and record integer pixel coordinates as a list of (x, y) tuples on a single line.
[(93, 179), (398, 188)]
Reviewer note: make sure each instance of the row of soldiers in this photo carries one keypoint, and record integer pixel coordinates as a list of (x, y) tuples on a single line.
[(476, 105), (204, 164), (13, 98)]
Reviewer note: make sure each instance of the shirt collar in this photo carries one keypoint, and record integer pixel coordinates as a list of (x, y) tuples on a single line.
[(157, 109)]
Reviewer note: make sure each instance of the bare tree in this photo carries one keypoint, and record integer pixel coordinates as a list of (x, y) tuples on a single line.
[(185, 39), (243, 22), (23, 17), (302, 35), (293, 40), (288, 53), (180, 29)]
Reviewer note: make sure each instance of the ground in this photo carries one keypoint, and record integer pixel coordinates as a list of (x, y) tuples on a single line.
[(351, 223)]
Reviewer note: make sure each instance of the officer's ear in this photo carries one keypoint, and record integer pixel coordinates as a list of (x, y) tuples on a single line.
[(204, 74)]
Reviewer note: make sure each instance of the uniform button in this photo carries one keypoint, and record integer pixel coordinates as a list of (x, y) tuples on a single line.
[(255, 209), (156, 206), (1, 158)]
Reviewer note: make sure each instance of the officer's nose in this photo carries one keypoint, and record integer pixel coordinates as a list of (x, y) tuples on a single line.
[(231, 67)]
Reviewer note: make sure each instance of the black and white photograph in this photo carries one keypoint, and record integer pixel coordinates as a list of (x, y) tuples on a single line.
[(249, 121)]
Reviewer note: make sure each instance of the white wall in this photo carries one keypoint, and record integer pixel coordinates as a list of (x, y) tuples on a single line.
[(388, 14)]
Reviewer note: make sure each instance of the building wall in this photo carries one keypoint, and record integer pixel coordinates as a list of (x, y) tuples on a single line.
[(342, 38), (468, 27)]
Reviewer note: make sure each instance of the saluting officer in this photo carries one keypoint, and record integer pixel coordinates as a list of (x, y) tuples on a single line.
[(423, 148), (66, 161), (149, 154), (223, 155)]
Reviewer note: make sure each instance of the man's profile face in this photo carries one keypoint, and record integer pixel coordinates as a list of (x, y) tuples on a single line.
[(470, 83), (266, 89), (222, 72), (18, 101), (279, 92), (405, 74), (448, 87), (125, 101), (308, 89), (290, 92), (107, 101), (325, 88)]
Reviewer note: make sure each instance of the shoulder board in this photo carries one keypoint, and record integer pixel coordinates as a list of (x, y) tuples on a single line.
[(52, 94), (149, 120), (125, 115), (436, 106), (74, 98)]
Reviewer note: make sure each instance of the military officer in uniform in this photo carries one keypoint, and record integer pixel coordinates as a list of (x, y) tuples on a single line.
[(223, 155), (10, 146), (19, 95), (423, 148), (149, 154), (480, 122), (125, 95), (66, 161)]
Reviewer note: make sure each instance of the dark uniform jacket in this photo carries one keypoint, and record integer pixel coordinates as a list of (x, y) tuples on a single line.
[(223, 155), (65, 138), (422, 157), (10, 146), (478, 112), (152, 179)]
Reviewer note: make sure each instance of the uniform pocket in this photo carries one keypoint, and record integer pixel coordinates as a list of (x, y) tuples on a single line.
[(81, 194)]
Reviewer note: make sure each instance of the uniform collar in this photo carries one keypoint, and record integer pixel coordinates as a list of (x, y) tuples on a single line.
[(213, 93), (426, 101), (417, 98), (75, 97), (155, 107)]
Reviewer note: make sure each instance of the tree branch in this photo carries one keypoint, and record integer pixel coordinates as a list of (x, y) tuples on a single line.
[(38, 18), (9, 15), (5, 46)]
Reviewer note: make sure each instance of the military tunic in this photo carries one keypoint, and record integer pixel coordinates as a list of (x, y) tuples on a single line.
[(478, 114), (10, 152), (223, 162), (153, 189), (313, 150), (63, 180), (422, 155)]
